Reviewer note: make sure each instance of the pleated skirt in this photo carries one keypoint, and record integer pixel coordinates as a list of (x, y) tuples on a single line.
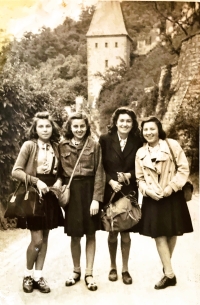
[(77, 213), (53, 215), (167, 217)]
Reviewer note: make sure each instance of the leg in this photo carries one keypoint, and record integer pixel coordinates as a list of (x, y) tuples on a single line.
[(125, 248), (112, 246), (171, 244), (165, 255), (76, 255), (90, 253), (31, 257), (43, 250), (34, 248), (164, 252)]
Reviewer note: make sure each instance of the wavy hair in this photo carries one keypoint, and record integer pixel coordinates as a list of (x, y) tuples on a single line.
[(161, 132), (32, 133), (113, 121), (66, 130)]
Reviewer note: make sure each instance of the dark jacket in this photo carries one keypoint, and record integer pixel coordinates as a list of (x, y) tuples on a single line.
[(114, 160)]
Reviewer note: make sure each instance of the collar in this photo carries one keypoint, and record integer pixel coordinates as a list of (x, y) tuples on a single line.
[(120, 139), (163, 149)]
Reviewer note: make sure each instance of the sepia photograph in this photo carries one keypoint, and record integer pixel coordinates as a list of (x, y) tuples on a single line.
[(99, 152)]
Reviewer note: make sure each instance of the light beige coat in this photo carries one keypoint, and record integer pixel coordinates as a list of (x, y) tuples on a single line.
[(163, 173)]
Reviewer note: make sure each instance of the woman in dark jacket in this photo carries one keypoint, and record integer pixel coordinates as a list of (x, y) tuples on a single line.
[(119, 147), (38, 159)]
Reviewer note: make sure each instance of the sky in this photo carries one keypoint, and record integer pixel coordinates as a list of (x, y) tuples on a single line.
[(19, 16)]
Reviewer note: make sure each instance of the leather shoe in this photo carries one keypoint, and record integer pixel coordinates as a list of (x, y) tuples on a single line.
[(165, 282), (27, 284), (113, 275), (41, 285), (127, 279)]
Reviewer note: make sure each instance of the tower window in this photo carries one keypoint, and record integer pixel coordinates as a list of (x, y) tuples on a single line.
[(116, 44), (96, 45), (106, 44), (106, 63)]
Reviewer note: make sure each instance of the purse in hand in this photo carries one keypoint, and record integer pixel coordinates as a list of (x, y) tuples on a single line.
[(64, 194), (122, 214), (188, 187), (25, 201)]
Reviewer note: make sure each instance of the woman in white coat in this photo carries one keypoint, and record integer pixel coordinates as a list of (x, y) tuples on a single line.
[(165, 213)]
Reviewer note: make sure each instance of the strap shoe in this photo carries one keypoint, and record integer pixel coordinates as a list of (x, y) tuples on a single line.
[(27, 284), (127, 279), (41, 285), (113, 275), (165, 282)]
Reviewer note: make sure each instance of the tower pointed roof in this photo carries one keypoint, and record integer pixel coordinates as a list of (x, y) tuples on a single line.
[(107, 20)]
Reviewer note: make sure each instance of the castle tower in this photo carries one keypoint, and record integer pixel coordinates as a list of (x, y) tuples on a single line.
[(107, 42)]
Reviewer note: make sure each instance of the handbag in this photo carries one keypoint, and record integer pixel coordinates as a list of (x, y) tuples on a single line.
[(64, 194), (188, 187), (25, 201), (122, 214)]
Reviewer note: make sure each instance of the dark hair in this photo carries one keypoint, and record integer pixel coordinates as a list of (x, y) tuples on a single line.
[(123, 110), (161, 132), (67, 132), (32, 133)]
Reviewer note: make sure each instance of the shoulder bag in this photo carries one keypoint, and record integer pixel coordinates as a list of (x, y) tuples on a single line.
[(188, 187), (122, 214), (25, 201), (64, 194)]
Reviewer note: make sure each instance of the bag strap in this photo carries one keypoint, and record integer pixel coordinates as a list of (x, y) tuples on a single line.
[(70, 180), (173, 157)]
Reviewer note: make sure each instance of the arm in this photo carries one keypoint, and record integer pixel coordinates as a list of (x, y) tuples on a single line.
[(140, 176), (99, 180), (18, 171), (181, 176)]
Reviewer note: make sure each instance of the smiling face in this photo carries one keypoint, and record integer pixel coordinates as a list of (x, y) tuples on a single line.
[(150, 133), (78, 128), (44, 129), (124, 125)]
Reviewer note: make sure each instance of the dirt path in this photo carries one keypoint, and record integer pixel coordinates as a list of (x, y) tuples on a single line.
[(145, 269)]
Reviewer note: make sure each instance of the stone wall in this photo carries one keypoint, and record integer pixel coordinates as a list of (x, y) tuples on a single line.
[(185, 82)]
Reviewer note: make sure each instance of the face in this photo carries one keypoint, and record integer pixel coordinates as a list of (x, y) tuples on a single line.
[(124, 124), (150, 133), (78, 128), (44, 129)]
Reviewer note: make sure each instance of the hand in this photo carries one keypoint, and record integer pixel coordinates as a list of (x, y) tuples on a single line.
[(121, 176), (116, 186), (167, 191), (153, 194), (58, 183), (42, 187), (94, 207)]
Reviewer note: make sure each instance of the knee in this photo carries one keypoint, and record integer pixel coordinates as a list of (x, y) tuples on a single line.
[(112, 237), (90, 237), (125, 237), (76, 240), (37, 244), (160, 240)]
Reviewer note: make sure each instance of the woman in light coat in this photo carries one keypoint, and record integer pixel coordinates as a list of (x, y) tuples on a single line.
[(165, 213)]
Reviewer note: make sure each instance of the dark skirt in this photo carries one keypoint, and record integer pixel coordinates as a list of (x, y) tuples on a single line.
[(126, 189), (53, 214), (77, 213), (166, 217)]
